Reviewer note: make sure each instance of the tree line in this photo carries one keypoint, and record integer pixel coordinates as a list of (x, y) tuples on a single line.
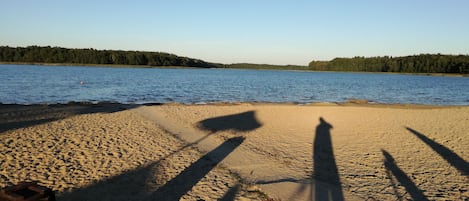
[(423, 63), (37, 54)]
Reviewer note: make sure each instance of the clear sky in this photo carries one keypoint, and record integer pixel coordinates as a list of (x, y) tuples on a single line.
[(254, 31)]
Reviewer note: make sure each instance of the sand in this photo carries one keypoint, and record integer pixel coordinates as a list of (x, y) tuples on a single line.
[(238, 151)]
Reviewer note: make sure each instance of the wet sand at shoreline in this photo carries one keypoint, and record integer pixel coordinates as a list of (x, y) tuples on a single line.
[(238, 151)]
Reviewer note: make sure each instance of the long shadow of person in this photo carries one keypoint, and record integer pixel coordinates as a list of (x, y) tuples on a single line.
[(324, 183), (452, 158), (182, 183), (133, 184), (327, 185), (401, 176)]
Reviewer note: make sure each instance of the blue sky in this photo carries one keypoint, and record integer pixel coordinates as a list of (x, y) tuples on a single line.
[(253, 31)]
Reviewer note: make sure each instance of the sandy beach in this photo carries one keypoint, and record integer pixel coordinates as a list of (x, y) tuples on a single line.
[(239, 151)]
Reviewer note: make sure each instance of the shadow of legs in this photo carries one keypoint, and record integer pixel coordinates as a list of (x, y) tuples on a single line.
[(402, 177), (452, 158), (181, 184), (327, 184)]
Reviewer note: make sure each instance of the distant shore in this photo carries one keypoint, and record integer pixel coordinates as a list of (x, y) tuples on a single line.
[(186, 67)]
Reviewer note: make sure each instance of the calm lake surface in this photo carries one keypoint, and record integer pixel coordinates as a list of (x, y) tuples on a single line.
[(29, 84)]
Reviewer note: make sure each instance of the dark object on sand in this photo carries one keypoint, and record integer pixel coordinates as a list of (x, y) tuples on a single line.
[(27, 191)]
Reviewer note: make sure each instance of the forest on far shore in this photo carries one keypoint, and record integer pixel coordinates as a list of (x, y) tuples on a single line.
[(423, 63), (37, 54)]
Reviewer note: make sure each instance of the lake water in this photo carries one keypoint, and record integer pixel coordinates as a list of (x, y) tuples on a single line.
[(29, 84)]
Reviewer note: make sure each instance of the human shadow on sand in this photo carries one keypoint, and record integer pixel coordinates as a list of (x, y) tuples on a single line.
[(325, 167), (452, 158), (21, 116), (241, 122), (181, 184), (402, 178), (325, 182), (136, 184)]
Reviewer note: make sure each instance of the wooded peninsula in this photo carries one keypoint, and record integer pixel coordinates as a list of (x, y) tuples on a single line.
[(423, 63)]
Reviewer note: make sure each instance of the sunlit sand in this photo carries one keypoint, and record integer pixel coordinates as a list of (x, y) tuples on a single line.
[(238, 152)]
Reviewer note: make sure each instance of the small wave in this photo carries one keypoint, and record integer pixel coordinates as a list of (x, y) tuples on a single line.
[(358, 101)]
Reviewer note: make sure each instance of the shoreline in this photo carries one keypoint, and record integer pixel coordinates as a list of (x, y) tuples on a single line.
[(355, 103), (195, 67)]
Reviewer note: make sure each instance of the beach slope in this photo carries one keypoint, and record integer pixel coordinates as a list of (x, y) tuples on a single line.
[(238, 151)]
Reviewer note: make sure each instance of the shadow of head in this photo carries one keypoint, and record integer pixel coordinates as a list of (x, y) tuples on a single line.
[(387, 157), (241, 122), (324, 124)]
